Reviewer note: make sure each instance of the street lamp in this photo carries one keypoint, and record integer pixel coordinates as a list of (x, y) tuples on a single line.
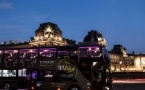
[(120, 65)]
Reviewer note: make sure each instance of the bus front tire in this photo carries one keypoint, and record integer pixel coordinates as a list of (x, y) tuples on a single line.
[(74, 87), (7, 85)]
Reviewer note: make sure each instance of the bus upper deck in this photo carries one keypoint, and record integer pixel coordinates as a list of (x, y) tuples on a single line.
[(26, 57)]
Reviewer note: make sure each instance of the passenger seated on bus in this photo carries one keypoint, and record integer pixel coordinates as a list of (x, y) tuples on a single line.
[(10, 57), (27, 56)]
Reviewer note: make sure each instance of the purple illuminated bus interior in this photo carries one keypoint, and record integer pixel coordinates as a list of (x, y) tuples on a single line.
[(10, 54), (28, 53), (47, 52), (1, 52), (90, 51), (62, 53), (34, 75)]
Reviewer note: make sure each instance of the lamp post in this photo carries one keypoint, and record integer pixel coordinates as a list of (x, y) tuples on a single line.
[(120, 65)]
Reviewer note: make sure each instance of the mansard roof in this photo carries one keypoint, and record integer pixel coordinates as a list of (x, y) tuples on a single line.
[(43, 26)]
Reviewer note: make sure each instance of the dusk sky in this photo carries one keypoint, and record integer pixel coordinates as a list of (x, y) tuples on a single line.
[(120, 21)]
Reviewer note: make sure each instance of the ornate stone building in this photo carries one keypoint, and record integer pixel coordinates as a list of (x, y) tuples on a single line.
[(94, 37), (48, 34), (120, 60), (123, 62)]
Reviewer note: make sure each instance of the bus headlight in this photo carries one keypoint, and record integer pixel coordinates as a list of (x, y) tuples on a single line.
[(38, 84), (32, 88), (88, 84), (107, 88)]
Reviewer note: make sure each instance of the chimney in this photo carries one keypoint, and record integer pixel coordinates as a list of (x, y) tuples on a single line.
[(133, 52)]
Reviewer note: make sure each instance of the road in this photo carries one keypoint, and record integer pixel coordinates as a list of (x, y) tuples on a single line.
[(130, 84), (138, 84)]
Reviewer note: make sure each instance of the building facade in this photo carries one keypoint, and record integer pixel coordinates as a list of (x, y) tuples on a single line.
[(121, 61), (48, 34), (94, 38)]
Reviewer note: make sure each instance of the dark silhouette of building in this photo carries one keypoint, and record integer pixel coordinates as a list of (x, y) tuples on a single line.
[(94, 38)]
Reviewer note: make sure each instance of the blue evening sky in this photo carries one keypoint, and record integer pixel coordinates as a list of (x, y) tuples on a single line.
[(120, 21)]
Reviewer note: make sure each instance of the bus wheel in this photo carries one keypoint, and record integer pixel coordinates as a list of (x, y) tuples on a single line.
[(7, 86), (74, 88)]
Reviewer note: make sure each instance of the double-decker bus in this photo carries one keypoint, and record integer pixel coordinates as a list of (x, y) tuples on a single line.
[(79, 67)]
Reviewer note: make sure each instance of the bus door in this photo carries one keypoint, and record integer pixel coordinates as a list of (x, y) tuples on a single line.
[(97, 75), (97, 79), (34, 75), (31, 78)]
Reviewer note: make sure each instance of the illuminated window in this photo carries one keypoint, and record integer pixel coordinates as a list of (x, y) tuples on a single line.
[(28, 53), (10, 54), (0, 51), (47, 52), (92, 51), (9, 73), (22, 72), (0, 73)]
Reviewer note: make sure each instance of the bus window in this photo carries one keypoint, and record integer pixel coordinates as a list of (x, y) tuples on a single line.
[(34, 75), (73, 53), (89, 51), (47, 52), (62, 53), (10, 54), (1, 53), (97, 77), (9, 73), (28, 53), (22, 72)]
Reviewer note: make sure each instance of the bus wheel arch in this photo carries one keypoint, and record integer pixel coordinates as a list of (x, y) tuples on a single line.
[(74, 87), (7, 85)]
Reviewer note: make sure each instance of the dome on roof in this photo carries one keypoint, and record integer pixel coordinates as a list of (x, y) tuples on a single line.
[(95, 37), (48, 34)]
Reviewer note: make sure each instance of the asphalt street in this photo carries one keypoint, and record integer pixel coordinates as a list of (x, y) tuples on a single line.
[(129, 84)]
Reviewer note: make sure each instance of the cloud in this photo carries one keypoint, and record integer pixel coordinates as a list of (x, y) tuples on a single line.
[(38, 18), (8, 26), (5, 5)]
